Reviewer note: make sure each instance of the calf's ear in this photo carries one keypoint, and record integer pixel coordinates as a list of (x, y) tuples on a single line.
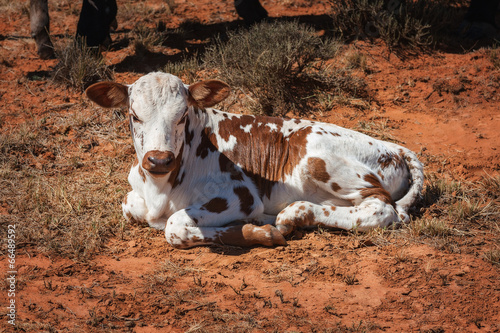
[(207, 93), (108, 94)]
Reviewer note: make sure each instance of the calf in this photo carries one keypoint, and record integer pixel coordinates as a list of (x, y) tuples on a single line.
[(206, 176)]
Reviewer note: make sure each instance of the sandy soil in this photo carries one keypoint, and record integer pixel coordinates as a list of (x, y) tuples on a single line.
[(443, 105)]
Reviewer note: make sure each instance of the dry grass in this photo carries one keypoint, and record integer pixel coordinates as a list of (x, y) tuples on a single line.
[(60, 199), (356, 60), (378, 128), (187, 69), (493, 256), (130, 10), (494, 57), (147, 38), (278, 67), (430, 227), (7, 6), (404, 26), (80, 66), (452, 211)]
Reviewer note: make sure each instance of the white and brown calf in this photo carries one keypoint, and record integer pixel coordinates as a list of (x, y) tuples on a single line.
[(206, 176)]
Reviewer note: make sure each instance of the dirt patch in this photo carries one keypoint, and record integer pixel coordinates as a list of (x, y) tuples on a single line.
[(81, 269)]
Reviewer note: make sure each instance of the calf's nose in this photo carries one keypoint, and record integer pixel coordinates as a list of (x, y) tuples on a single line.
[(158, 162)]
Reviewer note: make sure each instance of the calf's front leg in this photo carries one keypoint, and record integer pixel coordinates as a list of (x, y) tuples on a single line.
[(135, 210), (184, 229)]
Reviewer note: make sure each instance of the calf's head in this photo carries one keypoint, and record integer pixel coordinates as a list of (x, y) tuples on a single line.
[(158, 105)]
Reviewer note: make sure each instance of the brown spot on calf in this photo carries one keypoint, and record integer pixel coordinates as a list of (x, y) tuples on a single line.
[(173, 178), (216, 205), (336, 187), (189, 135), (208, 143), (246, 199), (288, 225), (376, 191), (226, 165), (265, 156), (389, 159), (317, 169), (141, 173)]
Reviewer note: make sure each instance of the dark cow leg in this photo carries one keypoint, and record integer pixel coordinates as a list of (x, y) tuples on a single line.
[(479, 22), (482, 11), (95, 20), (251, 11), (40, 22)]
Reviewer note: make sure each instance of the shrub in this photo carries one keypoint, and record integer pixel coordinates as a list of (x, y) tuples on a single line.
[(80, 66), (187, 68), (404, 25), (274, 63)]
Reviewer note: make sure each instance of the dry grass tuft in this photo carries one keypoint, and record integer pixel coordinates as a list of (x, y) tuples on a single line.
[(131, 10), (493, 256), (7, 6), (454, 210), (145, 39), (430, 227), (378, 128), (404, 26), (187, 69), (277, 66), (80, 66), (494, 57)]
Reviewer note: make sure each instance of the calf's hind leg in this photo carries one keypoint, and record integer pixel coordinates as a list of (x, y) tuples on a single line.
[(369, 214)]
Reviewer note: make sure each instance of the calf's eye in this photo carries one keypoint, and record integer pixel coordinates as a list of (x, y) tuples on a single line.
[(135, 119)]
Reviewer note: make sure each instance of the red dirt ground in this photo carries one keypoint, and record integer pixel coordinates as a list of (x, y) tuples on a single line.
[(443, 105)]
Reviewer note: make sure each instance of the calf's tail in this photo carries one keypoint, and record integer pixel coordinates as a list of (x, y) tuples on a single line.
[(416, 169)]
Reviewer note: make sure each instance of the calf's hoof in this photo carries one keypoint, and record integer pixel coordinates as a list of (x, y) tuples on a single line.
[(277, 237), (266, 235)]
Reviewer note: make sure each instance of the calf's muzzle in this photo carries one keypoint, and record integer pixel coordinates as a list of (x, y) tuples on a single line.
[(158, 162)]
